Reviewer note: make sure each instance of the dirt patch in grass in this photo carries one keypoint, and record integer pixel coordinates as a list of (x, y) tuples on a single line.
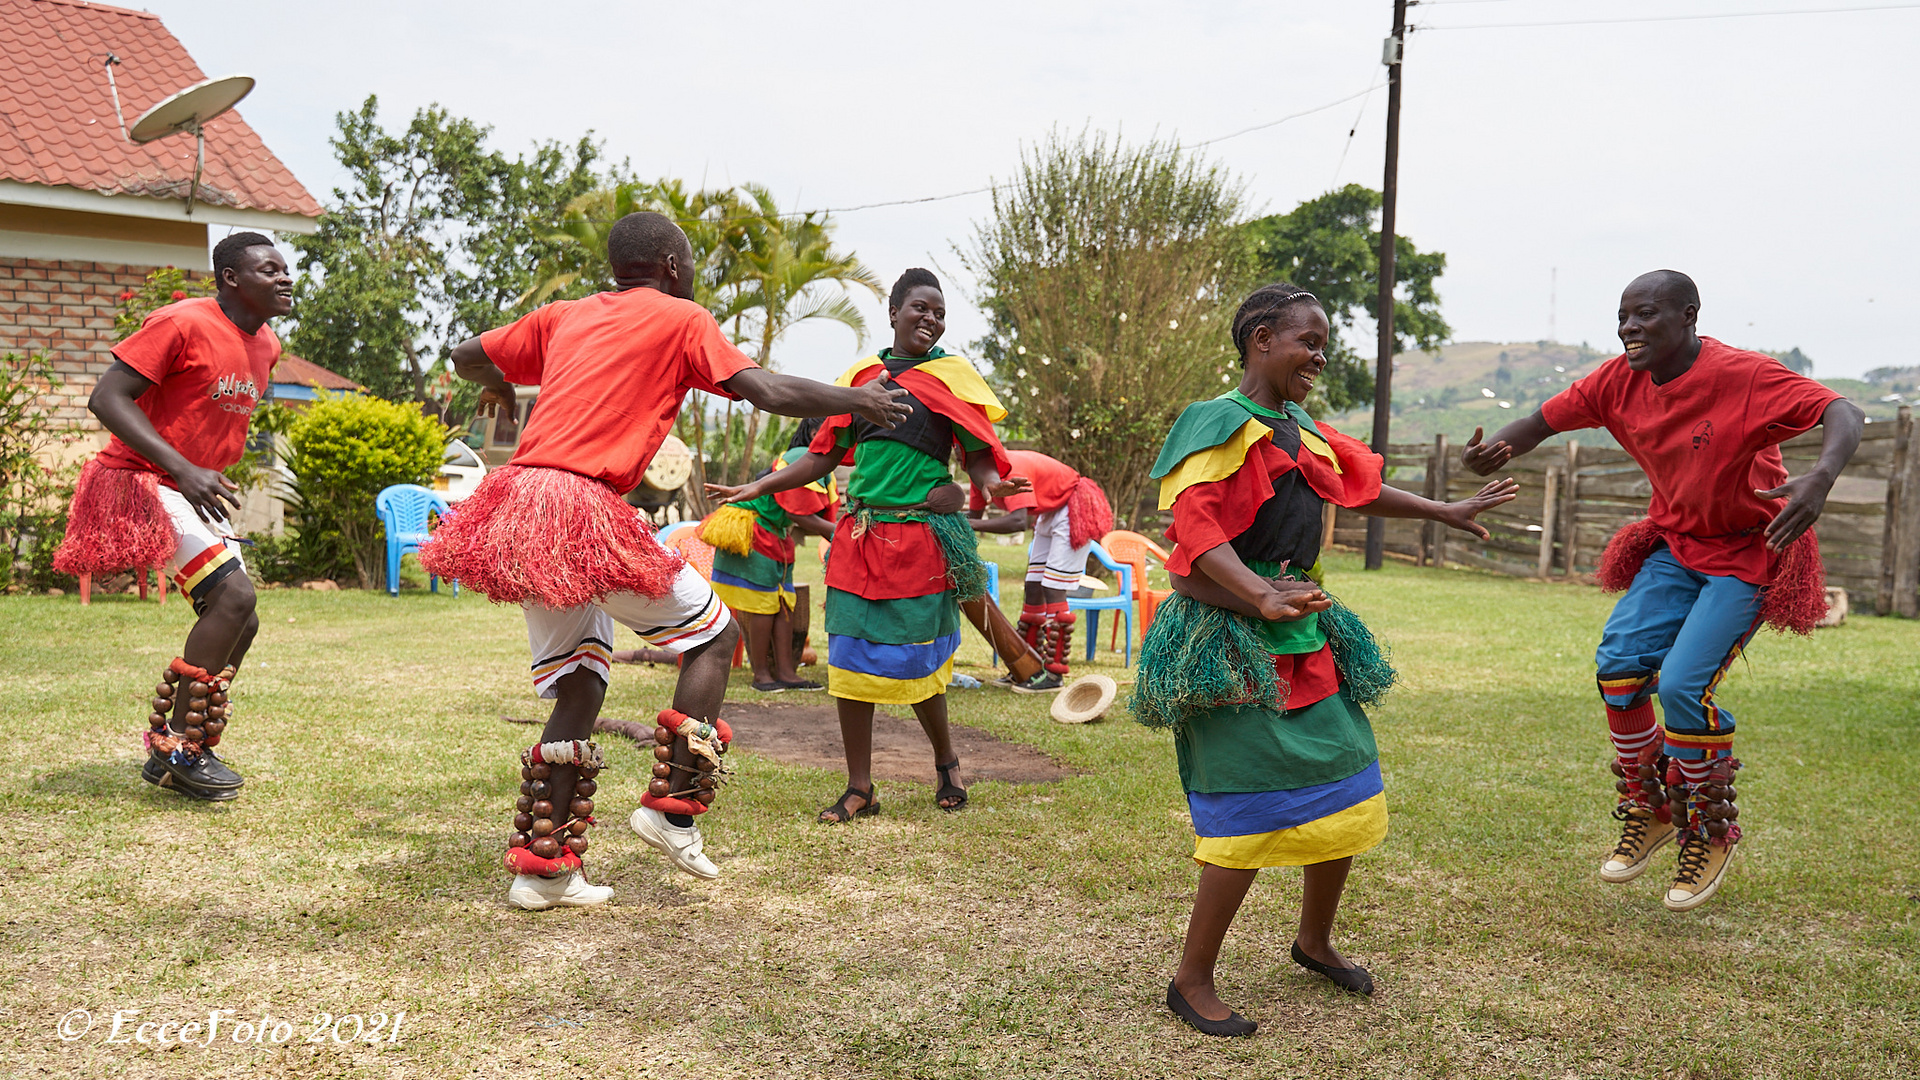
[(810, 735)]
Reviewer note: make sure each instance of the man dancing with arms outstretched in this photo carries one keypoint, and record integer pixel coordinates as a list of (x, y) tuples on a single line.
[(177, 400), (549, 531), (1727, 544)]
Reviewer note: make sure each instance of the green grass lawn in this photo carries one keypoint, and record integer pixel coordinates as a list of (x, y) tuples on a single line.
[(1032, 935)]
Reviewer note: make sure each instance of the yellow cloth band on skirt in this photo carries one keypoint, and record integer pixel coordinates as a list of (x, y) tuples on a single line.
[(753, 602), (1358, 828), (880, 690)]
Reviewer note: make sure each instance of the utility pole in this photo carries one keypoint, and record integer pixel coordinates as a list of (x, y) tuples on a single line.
[(1391, 54)]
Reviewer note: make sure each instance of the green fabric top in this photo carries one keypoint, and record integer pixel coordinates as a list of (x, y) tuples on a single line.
[(1288, 638), (889, 473), (1204, 425)]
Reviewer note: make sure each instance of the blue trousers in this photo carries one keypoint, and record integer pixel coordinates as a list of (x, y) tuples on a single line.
[(1676, 632)]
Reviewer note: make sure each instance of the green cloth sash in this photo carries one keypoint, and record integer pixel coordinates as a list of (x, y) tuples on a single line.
[(1237, 748), (892, 622), (1204, 425), (1287, 638), (754, 567)]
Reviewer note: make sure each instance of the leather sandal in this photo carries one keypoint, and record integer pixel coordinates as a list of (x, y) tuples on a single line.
[(839, 813), (948, 789), (1354, 980)]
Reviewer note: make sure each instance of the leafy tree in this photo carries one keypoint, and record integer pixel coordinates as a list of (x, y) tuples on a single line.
[(1795, 360), (436, 238), (1330, 247), (1109, 274)]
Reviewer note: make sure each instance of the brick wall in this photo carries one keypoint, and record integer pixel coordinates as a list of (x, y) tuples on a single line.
[(65, 310)]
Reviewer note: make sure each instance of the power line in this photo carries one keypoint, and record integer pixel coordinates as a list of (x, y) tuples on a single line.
[(1669, 18)]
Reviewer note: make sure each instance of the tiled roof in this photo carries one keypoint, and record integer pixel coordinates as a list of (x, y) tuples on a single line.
[(292, 369), (56, 113)]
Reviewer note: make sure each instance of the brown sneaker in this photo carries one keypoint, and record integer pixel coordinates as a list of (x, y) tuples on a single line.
[(1641, 834), (1703, 864)]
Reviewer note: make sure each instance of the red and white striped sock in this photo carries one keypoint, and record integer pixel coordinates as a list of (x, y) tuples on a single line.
[(1694, 772), (1632, 730)]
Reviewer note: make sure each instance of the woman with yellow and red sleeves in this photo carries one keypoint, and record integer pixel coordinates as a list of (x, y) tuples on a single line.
[(1260, 676), (903, 556), (753, 565)]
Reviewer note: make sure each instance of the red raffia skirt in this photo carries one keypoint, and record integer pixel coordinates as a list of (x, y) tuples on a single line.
[(1794, 601), (115, 523), (548, 536), (1089, 516)]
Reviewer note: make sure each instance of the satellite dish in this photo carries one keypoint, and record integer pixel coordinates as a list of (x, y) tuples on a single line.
[(189, 110)]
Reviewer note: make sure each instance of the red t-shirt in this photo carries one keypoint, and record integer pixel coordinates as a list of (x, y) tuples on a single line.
[(207, 376), (1052, 484), (612, 370), (1706, 440)]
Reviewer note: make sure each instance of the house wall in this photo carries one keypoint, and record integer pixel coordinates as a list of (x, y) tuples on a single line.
[(65, 309), (51, 233)]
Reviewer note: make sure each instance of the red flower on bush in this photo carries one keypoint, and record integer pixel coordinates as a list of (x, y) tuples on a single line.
[(128, 295), (178, 295)]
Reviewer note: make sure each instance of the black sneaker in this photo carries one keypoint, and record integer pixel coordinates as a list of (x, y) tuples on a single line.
[(196, 781), (1044, 683)]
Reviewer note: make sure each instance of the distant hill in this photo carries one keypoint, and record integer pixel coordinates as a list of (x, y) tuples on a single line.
[(1487, 384)]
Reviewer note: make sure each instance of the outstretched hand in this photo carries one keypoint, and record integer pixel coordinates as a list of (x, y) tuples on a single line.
[(1012, 485), (725, 495), (882, 404), (1806, 497), (493, 399), (1485, 458), (1460, 515)]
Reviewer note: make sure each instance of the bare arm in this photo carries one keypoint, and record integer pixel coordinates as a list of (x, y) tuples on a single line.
[(813, 525), (1012, 522), (1394, 503), (986, 476), (114, 403), (1519, 437), (799, 474), (1841, 426), (788, 396), (1223, 581), (470, 363)]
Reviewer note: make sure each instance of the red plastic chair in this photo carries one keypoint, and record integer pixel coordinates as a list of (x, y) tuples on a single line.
[(140, 577), (1132, 548), (699, 555)]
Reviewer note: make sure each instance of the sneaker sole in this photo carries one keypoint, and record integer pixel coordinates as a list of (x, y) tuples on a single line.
[(1018, 689), (1634, 870), (1703, 895), (162, 777), (544, 904), (659, 844)]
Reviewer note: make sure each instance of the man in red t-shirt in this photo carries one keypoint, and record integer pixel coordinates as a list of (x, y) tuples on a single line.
[(549, 531), (1067, 513), (1726, 541), (176, 400)]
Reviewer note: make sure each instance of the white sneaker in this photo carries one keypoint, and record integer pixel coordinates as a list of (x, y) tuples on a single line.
[(532, 893), (681, 846)]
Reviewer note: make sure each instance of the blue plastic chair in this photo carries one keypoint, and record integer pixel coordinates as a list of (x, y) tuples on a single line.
[(666, 531), (403, 510), (1121, 602)]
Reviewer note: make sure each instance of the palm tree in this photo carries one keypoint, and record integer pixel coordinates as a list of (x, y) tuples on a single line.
[(787, 272)]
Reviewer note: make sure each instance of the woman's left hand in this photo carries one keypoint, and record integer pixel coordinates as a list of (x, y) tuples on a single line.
[(1012, 485), (1460, 515), (723, 495)]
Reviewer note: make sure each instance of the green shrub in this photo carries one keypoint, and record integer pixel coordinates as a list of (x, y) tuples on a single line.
[(343, 451), (33, 493)]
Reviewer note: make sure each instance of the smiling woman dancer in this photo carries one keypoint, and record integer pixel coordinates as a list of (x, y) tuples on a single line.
[(903, 557), (1259, 674)]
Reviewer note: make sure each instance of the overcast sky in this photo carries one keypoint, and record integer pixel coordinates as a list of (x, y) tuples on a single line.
[(1771, 158)]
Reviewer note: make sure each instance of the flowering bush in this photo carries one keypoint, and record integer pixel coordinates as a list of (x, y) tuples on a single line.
[(33, 493), (162, 287)]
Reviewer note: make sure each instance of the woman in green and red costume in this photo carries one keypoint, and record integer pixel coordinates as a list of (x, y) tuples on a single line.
[(753, 565), (1257, 672), (903, 556)]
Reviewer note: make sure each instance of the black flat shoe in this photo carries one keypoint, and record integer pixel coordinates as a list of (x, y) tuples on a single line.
[(1234, 1026), (1354, 980)]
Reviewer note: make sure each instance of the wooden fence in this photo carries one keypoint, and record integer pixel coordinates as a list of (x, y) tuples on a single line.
[(1574, 498)]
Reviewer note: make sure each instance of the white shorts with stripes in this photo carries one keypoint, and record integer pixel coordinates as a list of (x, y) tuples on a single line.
[(563, 639), (1052, 560)]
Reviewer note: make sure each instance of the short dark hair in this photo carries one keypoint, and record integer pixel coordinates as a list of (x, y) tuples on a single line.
[(1265, 304), (803, 434), (226, 253), (910, 281), (644, 238), (1677, 286)]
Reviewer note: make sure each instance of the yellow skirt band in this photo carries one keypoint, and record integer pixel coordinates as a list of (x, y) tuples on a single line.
[(753, 602), (880, 690), (1358, 828)]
